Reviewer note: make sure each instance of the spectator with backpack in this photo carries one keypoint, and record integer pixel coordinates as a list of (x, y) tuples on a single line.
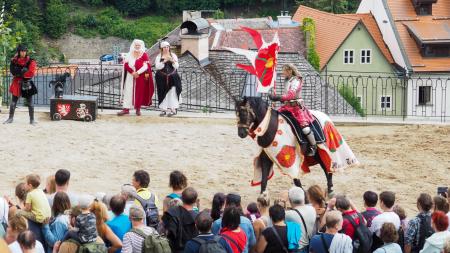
[(234, 200), (305, 215), (134, 240), (148, 201), (231, 231), (354, 225), (436, 242), (419, 228), (206, 242), (282, 236), (332, 241), (179, 221), (389, 235), (177, 181), (370, 203)]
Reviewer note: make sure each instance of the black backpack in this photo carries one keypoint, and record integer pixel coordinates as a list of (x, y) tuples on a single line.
[(151, 211), (179, 230), (362, 241), (210, 246), (425, 231)]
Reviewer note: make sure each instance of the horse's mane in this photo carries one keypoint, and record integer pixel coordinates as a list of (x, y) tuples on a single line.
[(257, 103)]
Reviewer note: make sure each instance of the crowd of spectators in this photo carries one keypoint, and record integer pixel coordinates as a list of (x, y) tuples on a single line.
[(52, 218)]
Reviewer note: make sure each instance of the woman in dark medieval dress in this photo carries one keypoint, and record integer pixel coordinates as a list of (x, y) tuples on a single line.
[(168, 82)]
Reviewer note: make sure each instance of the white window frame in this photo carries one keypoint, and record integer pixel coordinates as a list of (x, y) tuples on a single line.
[(353, 58), (366, 57), (381, 103)]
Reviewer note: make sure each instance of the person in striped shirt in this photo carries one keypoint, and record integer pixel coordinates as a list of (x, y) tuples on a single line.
[(132, 242)]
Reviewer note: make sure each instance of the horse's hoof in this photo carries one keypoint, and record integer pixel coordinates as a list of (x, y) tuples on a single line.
[(331, 194)]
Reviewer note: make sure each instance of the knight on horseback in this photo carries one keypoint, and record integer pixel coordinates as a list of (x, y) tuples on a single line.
[(294, 105)]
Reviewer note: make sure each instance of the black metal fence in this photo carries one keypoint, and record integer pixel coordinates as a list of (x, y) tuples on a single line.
[(347, 94)]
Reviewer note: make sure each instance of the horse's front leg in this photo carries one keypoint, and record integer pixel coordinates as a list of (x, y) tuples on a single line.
[(329, 176), (266, 166)]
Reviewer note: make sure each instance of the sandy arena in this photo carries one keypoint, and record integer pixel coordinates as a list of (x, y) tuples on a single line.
[(103, 155)]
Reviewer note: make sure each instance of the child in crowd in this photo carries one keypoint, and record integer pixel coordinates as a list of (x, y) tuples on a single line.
[(36, 208), (253, 212), (85, 224)]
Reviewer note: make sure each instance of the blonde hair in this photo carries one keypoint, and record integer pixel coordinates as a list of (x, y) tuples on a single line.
[(52, 185), (101, 215), (263, 200), (291, 67)]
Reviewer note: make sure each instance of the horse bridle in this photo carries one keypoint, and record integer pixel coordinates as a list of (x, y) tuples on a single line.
[(249, 121)]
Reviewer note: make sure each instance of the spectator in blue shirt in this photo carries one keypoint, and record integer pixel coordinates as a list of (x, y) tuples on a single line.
[(121, 223), (54, 229), (203, 223), (234, 200)]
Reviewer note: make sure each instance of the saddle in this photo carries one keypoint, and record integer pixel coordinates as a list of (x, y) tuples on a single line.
[(297, 130)]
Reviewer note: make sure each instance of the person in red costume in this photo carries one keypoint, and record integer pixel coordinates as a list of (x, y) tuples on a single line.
[(137, 81), (23, 68), (294, 104)]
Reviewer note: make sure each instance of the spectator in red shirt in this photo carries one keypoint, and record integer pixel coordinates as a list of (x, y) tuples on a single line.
[(231, 232), (348, 212)]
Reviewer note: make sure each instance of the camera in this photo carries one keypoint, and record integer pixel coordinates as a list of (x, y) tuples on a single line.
[(442, 191)]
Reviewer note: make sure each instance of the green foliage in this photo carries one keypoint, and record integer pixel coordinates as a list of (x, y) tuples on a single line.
[(133, 7), (334, 6), (347, 93), (218, 14), (109, 22), (56, 18), (309, 31), (93, 2), (177, 6)]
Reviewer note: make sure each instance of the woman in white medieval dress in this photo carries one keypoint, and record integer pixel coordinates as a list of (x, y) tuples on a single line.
[(137, 82), (168, 82)]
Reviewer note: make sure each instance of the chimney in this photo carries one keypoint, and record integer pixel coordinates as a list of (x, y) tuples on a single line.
[(284, 20), (190, 15), (195, 39)]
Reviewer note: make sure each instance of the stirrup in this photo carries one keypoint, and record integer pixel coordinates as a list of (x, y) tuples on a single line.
[(311, 151)]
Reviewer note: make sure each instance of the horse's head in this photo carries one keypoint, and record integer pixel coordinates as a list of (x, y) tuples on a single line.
[(246, 117)]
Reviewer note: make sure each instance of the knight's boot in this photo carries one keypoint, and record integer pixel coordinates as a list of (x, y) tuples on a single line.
[(12, 109), (312, 141), (31, 113)]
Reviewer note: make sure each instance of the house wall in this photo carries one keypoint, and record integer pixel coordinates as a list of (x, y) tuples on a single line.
[(376, 7), (439, 107), (369, 82)]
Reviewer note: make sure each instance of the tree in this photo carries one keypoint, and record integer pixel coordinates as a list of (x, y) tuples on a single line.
[(8, 41), (334, 6), (133, 7), (56, 19)]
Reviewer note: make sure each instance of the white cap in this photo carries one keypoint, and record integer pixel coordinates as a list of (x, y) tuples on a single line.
[(165, 44)]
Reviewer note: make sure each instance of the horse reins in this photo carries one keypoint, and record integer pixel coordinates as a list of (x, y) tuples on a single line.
[(248, 124)]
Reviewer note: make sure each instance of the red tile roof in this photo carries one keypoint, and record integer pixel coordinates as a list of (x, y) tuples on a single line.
[(404, 15), (291, 39), (329, 39)]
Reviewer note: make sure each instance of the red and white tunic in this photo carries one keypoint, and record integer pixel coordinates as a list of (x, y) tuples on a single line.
[(292, 92)]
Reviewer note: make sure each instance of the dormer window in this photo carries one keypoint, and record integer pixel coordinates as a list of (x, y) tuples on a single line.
[(424, 7), (433, 39)]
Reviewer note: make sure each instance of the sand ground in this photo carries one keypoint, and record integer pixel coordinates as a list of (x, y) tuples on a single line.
[(102, 156)]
